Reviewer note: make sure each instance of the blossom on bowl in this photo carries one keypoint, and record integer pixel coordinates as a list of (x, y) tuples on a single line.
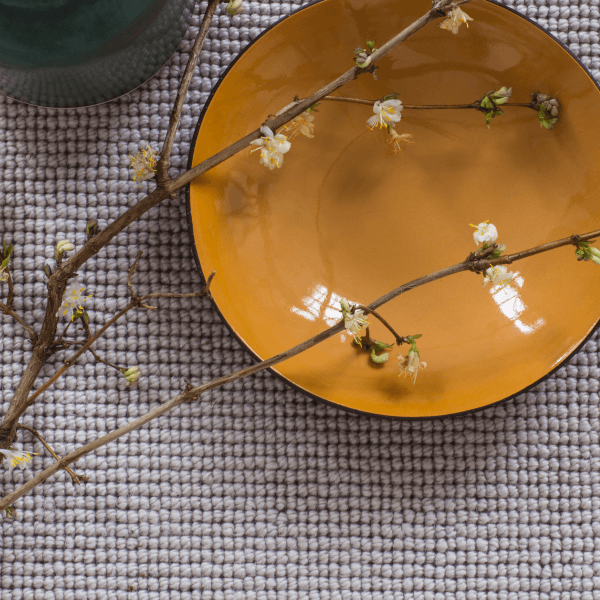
[(454, 19), (396, 139), (302, 124), (387, 114), (272, 148), (411, 364), (497, 275), (355, 322), (485, 233)]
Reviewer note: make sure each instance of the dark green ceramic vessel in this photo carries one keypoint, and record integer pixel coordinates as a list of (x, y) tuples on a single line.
[(67, 53)]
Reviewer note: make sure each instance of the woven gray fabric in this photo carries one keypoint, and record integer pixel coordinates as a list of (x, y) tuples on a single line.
[(257, 491)]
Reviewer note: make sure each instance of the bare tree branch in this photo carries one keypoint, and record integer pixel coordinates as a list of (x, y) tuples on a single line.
[(76, 478), (192, 393)]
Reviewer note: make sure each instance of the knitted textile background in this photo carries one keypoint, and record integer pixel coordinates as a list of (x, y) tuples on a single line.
[(257, 491)]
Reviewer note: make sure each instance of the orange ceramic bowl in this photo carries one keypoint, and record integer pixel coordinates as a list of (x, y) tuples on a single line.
[(345, 217)]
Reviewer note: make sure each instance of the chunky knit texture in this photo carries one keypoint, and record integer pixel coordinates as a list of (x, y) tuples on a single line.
[(257, 491)]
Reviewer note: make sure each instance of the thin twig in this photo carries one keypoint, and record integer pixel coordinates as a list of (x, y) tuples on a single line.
[(472, 105), (137, 301), (196, 392), (163, 163), (11, 313), (8, 308), (399, 339), (102, 360), (76, 478)]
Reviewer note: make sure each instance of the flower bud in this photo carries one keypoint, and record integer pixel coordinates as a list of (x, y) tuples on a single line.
[(501, 96), (344, 304), (62, 247), (235, 7), (132, 374), (91, 229)]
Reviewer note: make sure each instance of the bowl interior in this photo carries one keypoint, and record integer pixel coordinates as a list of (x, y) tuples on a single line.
[(345, 217)]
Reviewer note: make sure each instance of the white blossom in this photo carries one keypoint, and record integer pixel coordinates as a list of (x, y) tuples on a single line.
[(302, 124), (272, 148), (73, 299), (387, 114), (144, 164), (498, 275), (411, 364), (17, 456), (132, 374), (355, 322), (3, 274), (485, 233), (454, 19)]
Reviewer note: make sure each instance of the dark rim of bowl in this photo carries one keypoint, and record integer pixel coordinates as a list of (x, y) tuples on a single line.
[(271, 369)]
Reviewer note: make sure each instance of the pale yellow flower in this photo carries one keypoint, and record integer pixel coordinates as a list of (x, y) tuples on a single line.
[(396, 139), (302, 124), (454, 19), (411, 364)]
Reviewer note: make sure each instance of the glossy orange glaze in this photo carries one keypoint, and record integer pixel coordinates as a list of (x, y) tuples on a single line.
[(344, 217)]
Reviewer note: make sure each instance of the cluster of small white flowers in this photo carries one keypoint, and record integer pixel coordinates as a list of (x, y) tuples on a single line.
[(487, 234), (3, 274), (73, 299), (454, 19), (144, 163), (272, 148), (354, 320), (17, 456)]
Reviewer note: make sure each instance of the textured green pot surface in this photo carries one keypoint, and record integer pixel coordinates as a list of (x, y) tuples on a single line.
[(66, 53)]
